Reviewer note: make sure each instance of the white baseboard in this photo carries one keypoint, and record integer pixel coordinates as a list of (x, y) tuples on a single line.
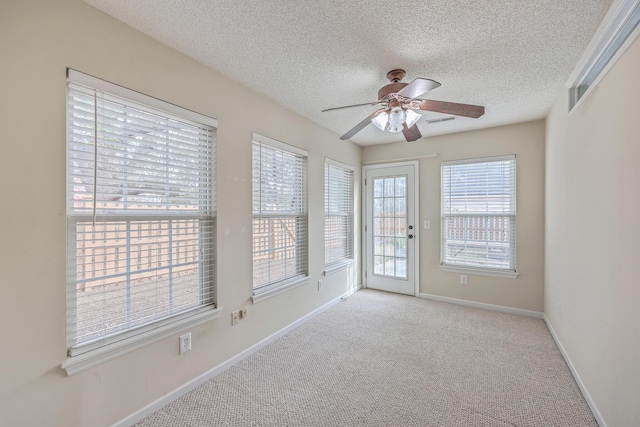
[(574, 372), (184, 389), (493, 307)]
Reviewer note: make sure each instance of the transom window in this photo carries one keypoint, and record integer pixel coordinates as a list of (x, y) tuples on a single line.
[(140, 213), (479, 214), (620, 29)]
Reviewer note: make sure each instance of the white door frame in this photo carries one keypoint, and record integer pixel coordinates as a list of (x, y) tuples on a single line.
[(416, 209)]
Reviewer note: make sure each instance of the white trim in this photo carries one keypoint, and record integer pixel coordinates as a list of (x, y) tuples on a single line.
[(416, 220), (483, 305), (279, 144), (480, 271), (338, 164), (84, 361), (415, 163), (273, 290), (374, 162), (479, 160), (83, 79), (141, 414), (335, 267), (585, 393)]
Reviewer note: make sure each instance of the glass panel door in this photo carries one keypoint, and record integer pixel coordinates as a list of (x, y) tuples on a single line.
[(389, 232)]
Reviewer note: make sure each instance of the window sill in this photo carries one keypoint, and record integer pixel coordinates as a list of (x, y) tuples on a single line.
[(76, 364), (480, 271), (330, 269), (272, 291)]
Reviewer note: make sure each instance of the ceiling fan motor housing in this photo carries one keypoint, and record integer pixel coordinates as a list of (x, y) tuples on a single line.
[(389, 89), (395, 77)]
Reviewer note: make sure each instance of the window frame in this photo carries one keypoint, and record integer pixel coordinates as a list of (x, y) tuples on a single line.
[(277, 287), (617, 31), (94, 351), (475, 269), (349, 259)]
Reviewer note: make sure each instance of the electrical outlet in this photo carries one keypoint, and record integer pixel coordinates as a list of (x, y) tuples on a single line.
[(320, 284), (235, 317), (463, 279), (185, 343), (243, 313)]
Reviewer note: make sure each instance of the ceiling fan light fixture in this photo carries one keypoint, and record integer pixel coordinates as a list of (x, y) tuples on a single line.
[(381, 120), (397, 117), (412, 118)]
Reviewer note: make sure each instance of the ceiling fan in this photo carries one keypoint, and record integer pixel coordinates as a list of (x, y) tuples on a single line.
[(398, 100)]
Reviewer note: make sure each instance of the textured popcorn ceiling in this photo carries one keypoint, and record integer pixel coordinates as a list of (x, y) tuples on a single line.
[(511, 56)]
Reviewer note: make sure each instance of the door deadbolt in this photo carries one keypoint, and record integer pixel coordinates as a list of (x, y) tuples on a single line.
[(411, 227)]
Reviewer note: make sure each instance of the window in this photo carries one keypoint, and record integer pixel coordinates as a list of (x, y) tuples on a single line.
[(617, 34), (338, 214), (279, 216), (138, 170), (479, 214)]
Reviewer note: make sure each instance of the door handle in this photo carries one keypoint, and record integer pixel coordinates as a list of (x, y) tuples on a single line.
[(410, 236)]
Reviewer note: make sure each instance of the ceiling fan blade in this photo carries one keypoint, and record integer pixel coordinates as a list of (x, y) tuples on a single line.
[(354, 105), (466, 110), (411, 133), (363, 124), (418, 87)]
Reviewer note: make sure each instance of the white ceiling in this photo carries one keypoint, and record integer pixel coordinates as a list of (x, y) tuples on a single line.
[(511, 56)]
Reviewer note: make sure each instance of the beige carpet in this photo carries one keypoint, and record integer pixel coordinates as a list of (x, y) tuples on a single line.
[(380, 359)]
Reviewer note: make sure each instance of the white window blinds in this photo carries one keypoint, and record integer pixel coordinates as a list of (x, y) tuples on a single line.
[(279, 213), (338, 213), (140, 213), (479, 213)]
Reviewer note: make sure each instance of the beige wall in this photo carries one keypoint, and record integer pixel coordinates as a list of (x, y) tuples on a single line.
[(593, 238), (526, 141), (38, 40)]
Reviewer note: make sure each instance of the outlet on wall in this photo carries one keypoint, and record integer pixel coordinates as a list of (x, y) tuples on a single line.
[(320, 284), (235, 317), (185, 343)]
